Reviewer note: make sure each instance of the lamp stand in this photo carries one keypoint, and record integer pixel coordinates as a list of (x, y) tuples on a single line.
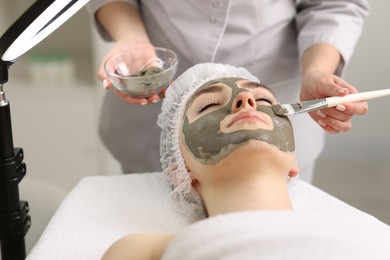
[(14, 219)]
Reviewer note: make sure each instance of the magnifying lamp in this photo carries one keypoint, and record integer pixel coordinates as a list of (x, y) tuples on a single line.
[(34, 25)]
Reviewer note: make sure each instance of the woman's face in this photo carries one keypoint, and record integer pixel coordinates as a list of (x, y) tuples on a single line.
[(227, 113)]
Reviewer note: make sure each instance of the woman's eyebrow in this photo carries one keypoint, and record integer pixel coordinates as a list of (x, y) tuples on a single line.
[(252, 84), (211, 89)]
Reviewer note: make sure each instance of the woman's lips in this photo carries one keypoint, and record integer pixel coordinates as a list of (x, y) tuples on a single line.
[(248, 116)]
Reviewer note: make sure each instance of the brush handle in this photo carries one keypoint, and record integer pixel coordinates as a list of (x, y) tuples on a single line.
[(334, 101)]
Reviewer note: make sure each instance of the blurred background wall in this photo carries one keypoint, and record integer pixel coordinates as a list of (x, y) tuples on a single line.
[(55, 121)]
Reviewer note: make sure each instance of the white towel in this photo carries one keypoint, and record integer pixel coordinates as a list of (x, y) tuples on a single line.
[(280, 235), (101, 209)]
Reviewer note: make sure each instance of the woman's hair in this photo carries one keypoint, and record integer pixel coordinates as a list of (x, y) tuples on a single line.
[(173, 108)]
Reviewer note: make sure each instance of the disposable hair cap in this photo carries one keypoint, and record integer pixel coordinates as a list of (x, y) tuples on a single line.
[(188, 200)]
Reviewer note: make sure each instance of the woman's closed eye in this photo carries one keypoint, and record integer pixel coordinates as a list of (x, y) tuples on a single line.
[(264, 99), (208, 105)]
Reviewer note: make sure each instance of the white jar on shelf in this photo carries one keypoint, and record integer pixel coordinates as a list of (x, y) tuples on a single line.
[(55, 69)]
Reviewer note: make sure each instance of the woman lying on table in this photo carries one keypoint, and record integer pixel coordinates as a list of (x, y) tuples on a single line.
[(229, 158), (223, 150)]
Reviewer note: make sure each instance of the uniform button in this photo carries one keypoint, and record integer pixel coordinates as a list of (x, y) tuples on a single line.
[(215, 3), (213, 20)]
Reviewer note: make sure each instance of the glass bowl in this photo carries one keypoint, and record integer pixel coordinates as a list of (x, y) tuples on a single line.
[(142, 72)]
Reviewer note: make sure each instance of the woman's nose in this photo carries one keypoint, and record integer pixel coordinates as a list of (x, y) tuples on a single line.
[(244, 99)]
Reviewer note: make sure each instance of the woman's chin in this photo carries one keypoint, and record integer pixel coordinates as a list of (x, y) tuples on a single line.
[(256, 151)]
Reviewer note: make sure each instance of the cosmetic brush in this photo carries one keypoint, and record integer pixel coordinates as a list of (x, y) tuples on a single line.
[(313, 105)]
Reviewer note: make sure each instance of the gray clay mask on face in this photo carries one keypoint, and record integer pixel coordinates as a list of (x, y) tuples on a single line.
[(209, 145)]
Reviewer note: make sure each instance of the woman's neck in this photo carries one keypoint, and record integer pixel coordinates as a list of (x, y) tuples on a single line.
[(261, 192)]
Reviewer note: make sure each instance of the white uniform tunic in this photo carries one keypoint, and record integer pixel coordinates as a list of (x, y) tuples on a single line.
[(267, 37)]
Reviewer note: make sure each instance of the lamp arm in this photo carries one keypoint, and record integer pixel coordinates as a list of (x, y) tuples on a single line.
[(37, 22), (17, 28)]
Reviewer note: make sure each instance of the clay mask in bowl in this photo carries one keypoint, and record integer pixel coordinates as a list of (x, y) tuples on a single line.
[(142, 72)]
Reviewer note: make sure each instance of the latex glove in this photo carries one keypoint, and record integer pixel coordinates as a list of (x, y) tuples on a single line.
[(318, 84), (121, 46)]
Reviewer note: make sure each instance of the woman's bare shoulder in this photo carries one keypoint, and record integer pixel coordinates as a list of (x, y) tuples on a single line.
[(139, 246)]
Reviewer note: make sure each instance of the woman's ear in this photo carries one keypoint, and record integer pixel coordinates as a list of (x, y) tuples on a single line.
[(294, 171), (192, 176)]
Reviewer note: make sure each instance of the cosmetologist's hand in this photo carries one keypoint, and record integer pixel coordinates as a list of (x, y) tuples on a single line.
[(318, 84), (121, 46)]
